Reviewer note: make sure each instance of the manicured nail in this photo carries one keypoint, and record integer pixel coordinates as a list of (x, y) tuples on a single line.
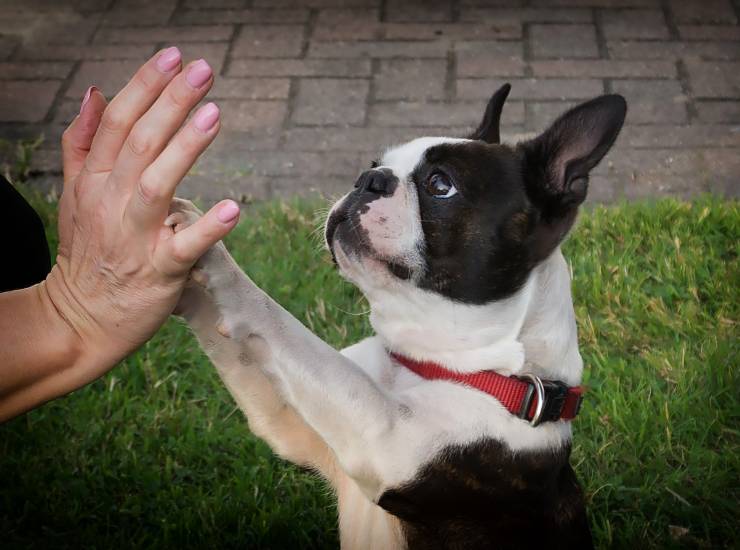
[(169, 59), (198, 73), (85, 99), (227, 212), (206, 117)]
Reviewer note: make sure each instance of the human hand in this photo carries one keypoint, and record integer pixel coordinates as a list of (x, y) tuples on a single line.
[(119, 271)]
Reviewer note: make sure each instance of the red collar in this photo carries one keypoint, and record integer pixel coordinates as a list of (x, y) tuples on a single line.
[(520, 395)]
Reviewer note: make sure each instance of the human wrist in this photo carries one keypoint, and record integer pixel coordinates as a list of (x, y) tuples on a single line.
[(58, 318)]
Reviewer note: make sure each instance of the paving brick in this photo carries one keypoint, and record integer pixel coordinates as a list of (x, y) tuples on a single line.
[(723, 112), (527, 15), (409, 11), (439, 114), (8, 45), (268, 41), (213, 52), (599, 3), (250, 88), (714, 78), (540, 114), (108, 76), (97, 52), (69, 30), (158, 13), (300, 67), (347, 24), (651, 101), (532, 88), (641, 24), (480, 59), (248, 114), (686, 136), (704, 11), (325, 101), (378, 49), (411, 79), (653, 49), (602, 68), (26, 101), (494, 30), (301, 163), (318, 3), (250, 16), (171, 35), (366, 140), (709, 32), (203, 4), (495, 3), (563, 41), (327, 188), (41, 70)]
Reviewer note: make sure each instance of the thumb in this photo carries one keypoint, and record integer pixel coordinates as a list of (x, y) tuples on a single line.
[(182, 250), (78, 136)]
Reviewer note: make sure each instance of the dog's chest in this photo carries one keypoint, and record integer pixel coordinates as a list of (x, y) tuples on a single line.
[(458, 482)]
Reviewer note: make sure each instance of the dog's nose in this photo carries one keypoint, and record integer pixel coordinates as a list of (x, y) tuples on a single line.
[(375, 181)]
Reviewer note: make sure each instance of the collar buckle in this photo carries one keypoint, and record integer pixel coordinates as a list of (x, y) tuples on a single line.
[(551, 396)]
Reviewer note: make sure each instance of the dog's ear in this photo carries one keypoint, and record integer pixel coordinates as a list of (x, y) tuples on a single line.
[(488, 130), (557, 162)]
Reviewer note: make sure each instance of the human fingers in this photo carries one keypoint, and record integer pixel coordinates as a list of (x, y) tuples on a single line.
[(149, 204), (129, 105), (153, 131), (177, 254), (78, 137)]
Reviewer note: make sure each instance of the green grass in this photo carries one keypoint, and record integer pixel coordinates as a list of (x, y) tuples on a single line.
[(155, 453)]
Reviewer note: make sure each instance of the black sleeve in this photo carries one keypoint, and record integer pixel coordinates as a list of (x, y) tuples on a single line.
[(26, 259)]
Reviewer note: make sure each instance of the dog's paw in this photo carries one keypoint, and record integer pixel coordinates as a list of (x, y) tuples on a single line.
[(183, 213)]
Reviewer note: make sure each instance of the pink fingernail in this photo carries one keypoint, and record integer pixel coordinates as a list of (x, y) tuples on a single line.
[(227, 211), (85, 99), (198, 73), (169, 59), (206, 117)]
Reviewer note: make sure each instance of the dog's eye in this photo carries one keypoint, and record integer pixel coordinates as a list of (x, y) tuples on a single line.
[(439, 186)]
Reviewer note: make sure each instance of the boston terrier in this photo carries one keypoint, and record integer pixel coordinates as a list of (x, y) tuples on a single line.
[(451, 427)]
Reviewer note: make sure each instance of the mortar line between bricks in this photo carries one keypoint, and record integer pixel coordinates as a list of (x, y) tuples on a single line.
[(670, 20), (308, 31), (229, 49), (289, 109), (450, 88), (382, 9), (597, 16), (527, 49), (61, 93), (179, 7), (371, 90), (455, 11), (683, 80)]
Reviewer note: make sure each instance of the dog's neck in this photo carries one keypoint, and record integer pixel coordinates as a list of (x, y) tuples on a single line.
[(532, 331)]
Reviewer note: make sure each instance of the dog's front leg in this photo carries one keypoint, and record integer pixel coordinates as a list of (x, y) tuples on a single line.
[(258, 347)]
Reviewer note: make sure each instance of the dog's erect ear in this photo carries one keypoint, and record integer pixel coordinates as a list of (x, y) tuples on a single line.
[(557, 163), (559, 160), (488, 130)]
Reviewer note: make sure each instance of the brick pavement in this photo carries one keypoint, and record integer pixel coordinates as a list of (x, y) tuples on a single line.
[(312, 89)]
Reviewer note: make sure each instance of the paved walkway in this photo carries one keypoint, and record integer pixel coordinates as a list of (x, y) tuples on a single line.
[(312, 89)]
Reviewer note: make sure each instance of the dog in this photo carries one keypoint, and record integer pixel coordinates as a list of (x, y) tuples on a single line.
[(450, 428)]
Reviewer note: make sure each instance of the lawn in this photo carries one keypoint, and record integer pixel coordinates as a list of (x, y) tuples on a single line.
[(155, 453)]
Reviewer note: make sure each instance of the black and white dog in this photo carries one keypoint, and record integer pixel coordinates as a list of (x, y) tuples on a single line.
[(449, 428)]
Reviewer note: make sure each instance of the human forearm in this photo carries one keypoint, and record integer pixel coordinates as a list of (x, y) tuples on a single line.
[(40, 354)]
